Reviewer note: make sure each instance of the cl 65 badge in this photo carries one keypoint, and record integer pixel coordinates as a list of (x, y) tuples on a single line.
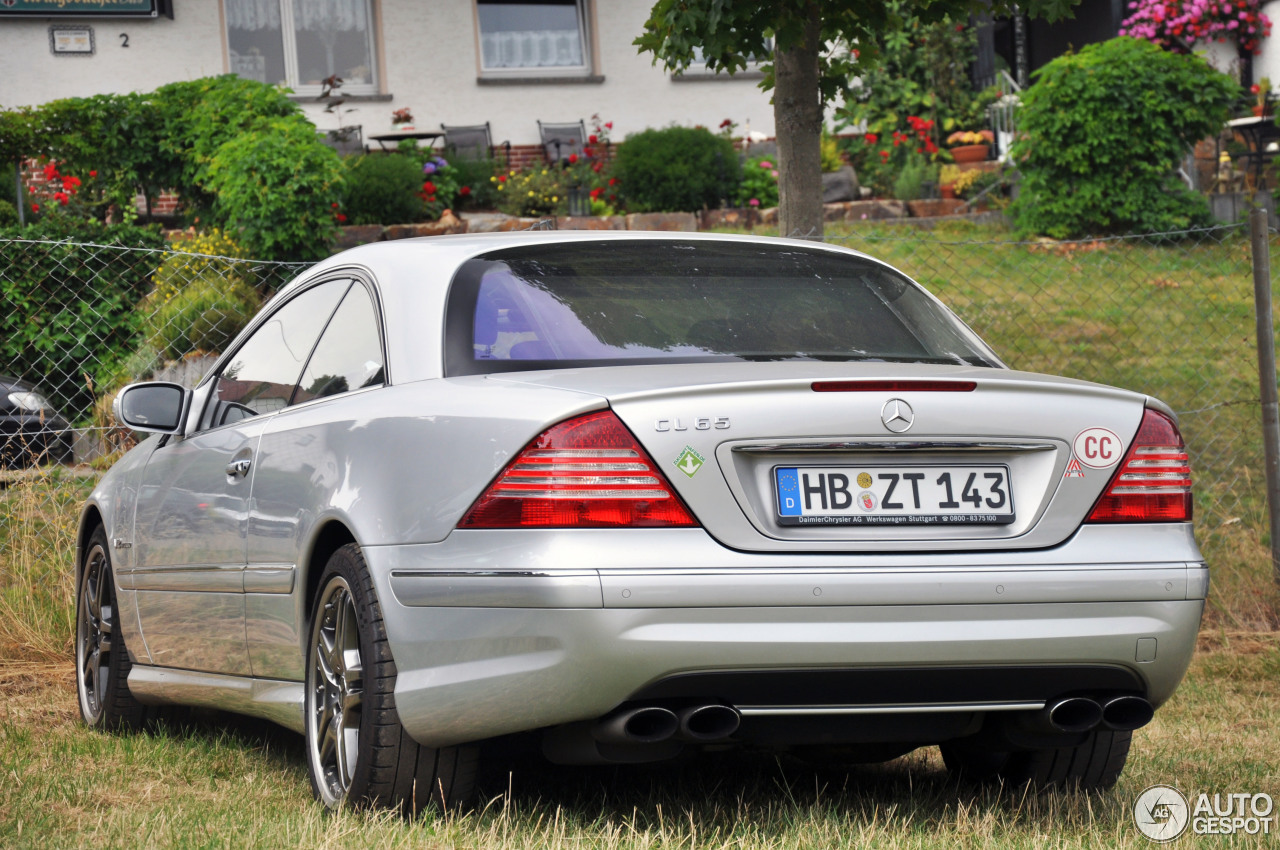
[(701, 423)]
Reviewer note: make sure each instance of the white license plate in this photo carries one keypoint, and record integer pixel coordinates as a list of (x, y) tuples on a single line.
[(891, 495)]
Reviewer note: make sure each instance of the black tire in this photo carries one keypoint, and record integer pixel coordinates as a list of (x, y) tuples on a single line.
[(1095, 764), (368, 759), (102, 661)]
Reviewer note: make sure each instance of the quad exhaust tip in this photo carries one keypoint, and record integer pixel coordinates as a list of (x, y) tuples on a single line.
[(711, 722), (1126, 713), (649, 724), (1074, 714)]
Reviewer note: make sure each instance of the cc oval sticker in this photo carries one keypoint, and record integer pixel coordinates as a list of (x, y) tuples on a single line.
[(1098, 448)]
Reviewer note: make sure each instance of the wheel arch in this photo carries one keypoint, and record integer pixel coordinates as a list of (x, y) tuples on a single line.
[(90, 518), (330, 536)]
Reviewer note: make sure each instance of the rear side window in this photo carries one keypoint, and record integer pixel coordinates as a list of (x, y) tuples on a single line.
[(608, 303)]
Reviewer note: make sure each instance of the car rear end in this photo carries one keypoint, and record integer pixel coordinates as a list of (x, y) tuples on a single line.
[(800, 514)]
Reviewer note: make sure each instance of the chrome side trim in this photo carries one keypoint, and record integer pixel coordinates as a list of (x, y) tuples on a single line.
[(269, 578), (497, 588), (925, 708), (271, 699), (224, 578), (892, 445)]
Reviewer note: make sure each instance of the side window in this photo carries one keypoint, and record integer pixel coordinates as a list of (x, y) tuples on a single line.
[(349, 354), (262, 374)]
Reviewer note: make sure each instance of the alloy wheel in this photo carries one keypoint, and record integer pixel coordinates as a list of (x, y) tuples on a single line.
[(336, 697), (95, 616)]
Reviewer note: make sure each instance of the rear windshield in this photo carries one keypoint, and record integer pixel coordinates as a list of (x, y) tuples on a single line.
[(617, 302)]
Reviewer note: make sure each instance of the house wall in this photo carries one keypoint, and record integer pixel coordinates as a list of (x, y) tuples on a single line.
[(428, 52)]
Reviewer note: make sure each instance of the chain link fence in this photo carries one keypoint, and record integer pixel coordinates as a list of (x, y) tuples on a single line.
[(1170, 315)]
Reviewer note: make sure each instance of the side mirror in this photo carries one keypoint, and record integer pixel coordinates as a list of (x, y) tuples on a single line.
[(156, 406)]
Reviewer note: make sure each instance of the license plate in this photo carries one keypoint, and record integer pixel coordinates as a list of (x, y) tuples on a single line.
[(894, 495)]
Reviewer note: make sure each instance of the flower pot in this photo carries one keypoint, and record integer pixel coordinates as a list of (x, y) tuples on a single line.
[(970, 153), (1260, 111), (403, 128), (948, 191)]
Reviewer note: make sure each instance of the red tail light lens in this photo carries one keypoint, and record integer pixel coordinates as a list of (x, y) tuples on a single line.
[(1153, 483), (586, 472)]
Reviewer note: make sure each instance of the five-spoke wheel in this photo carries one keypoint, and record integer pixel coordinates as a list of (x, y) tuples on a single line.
[(336, 691), (102, 662)]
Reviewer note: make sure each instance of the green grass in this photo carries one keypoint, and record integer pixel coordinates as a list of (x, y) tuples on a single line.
[(224, 782)]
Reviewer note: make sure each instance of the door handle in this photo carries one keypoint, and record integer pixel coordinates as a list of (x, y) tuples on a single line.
[(239, 468)]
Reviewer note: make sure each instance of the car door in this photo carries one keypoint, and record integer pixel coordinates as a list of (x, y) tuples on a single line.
[(193, 502), (302, 462)]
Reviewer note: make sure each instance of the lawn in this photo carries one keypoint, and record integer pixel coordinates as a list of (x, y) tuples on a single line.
[(223, 782), (1173, 319)]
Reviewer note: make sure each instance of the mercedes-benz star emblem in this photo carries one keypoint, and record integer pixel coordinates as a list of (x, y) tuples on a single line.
[(897, 415)]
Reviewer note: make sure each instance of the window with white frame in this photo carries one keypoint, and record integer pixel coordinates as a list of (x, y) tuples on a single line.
[(533, 36), (298, 43)]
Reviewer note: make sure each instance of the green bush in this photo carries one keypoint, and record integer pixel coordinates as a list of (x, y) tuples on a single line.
[(383, 189), (276, 186), (69, 316), (531, 191), (677, 169), (8, 214), (909, 184), (1102, 132), (475, 189), (204, 315)]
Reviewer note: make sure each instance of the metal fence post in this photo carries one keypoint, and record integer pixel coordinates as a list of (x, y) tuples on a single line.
[(1261, 255)]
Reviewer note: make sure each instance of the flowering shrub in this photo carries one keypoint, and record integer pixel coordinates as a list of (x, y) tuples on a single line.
[(62, 193), (401, 116), (531, 192), (439, 186), (677, 169), (759, 186), (883, 159), (1178, 25)]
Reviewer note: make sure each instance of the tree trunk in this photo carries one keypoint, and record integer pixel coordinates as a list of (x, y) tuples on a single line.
[(797, 115)]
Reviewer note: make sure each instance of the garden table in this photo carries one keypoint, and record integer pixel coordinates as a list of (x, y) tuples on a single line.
[(397, 136)]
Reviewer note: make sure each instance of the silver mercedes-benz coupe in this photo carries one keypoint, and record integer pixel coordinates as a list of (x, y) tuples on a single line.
[(631, 495)]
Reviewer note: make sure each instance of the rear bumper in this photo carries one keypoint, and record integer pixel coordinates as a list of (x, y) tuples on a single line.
[(498, 632)]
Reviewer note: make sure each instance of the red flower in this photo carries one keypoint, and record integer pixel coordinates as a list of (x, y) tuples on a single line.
[(593, 138), (35, 208), (61, 197), (1255, 88), (588, 151), (613, 181), (573, 157), (50, 171), (597, 166), (429, 187), (872, 138), (596, 193), (341, 217), (93, 173), (608, 125), (334, 205), (464, 191), (502, 178)]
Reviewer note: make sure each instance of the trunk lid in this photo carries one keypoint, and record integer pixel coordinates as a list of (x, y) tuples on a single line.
[(723, 432)]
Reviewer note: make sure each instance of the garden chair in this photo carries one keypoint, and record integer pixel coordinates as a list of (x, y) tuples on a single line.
[(344, 140), (471, 142), (561, 140)]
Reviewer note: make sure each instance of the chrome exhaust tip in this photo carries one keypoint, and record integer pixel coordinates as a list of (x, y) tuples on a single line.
[(648, 724), (1074, 715), (711, 722), (1126, 713)]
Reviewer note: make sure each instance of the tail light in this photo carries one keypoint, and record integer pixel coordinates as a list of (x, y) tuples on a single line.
[(1153, 483), (586, 472)]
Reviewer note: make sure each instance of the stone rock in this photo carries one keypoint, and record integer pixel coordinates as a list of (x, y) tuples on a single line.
[(734, 218), (835, 212), (487, 222), (591, 222), (840, 185), (932, 208), (358, 234), (876, 210), (685, 222)]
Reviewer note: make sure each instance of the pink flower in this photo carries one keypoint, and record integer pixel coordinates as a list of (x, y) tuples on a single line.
[(755, 202)]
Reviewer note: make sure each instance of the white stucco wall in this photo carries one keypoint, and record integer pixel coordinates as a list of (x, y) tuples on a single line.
[(1267, 63), (429, 55), (160, 51)]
